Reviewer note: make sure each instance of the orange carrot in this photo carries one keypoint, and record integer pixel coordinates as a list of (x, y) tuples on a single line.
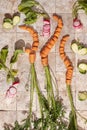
[(55, 38), (44, 61), (27, 50), (34, 35), (46, 49), (32, 57), (35, 43), (31, 51), (66, 60)]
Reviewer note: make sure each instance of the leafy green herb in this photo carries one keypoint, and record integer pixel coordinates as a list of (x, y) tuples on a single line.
[(79, 5), (11, 73), (31, 17), (28, 3), (32, 9)]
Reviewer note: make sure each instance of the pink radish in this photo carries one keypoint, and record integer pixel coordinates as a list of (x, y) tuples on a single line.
[(77, 23), (46, 27), (11, 92)]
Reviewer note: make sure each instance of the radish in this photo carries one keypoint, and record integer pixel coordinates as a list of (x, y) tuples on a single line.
[(77, 23), (11, 92), (46, 27)]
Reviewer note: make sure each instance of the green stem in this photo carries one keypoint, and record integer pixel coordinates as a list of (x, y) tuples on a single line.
[(47, 16), (72, 105), (38, 92), (31, 92), (9, 71), (49, 87)]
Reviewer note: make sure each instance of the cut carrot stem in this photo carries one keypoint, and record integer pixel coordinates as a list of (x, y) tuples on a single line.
[(50, 94), (31, 93), (72, 105)]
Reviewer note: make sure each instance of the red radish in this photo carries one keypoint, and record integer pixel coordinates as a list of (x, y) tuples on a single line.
[(11, 92), (46, 27), (16, 82), (77, 23)]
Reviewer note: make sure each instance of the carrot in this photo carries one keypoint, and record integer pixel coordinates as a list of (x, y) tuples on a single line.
[(46, 51), (34, 35), (42, 55), (55, 38), (44, 61), (66, 60), (61, 49), (35, 38), (49, 46), (69, 74), (55, 17), (56, 34), (35, 43), (70, 67), (68, 81), (34, 48), (63, 56), (27, 28), (27, 50), (32, 57), (51, 42), (23, 27)]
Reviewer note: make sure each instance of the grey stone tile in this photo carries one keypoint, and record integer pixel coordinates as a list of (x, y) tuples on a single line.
[(48, 6), (81, 84), (6, 6), (21, 115), (64, 6), (7, 103), (62, 83), (8, 117), (23, 101), (65, 99), (81, 121)]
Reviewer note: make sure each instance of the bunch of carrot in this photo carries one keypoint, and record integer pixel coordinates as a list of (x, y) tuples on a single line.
[(69, 74), (31, 51)]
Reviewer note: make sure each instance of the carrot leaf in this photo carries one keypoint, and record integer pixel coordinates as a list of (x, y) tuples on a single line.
[(15, 56), (4, 53), (71, 123)]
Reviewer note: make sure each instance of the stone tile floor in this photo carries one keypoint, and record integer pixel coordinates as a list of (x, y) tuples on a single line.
[(16, 108)]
